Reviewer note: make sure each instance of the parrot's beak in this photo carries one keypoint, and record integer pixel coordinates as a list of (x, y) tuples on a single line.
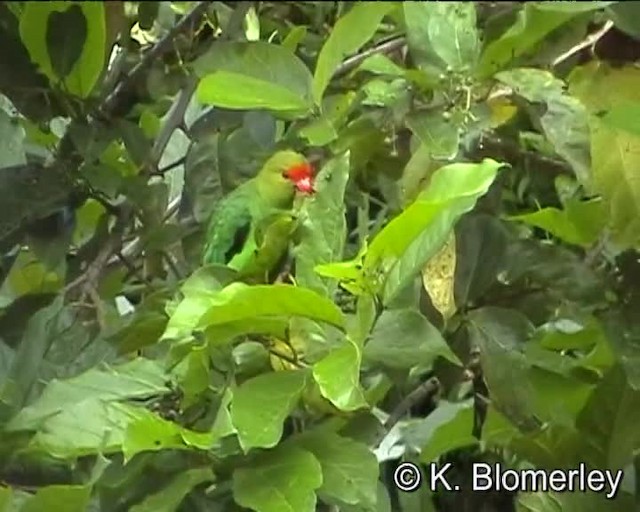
[(305, 185)]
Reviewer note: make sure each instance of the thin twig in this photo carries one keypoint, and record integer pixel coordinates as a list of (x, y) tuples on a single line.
[(428, 388), (589, 41), (355, 60), (185, 24)]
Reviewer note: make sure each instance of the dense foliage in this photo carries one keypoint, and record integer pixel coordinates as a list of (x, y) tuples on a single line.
[(462, 287)]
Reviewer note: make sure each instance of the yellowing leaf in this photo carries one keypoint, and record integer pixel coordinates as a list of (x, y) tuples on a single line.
[(502, 110), (438, 277)]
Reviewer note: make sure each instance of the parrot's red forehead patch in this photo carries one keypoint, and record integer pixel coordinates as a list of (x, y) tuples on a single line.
[(302, 176)]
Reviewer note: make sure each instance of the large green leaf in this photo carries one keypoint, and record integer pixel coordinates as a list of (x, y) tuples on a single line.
[(579, 223), (254, 75), (447, 428), (481, 242), (399, 252), (198, 291), (441, 137), (349, 469), (565, 120), (624, 117), (615, 153), (260, 406), (74, 498), (338, 376), (282, 479), (67, 41), (442, 35), (500, 335), (323, 225), (140, 378), (11, 141), (610, 421), (531, 27), (169, 498), (404, 338), (350, 32), (240, 302)]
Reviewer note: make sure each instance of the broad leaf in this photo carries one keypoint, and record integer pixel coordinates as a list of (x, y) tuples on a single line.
[(140, 378), (169, 498), (282, 479), (254, 75), (442, 34), (338, 376), (349, 469), (447, 428), (74, 498), (323, 227), (615, 153), (350, 32), (531, 27), (404, 338), (67, 41), (402, 248), (260, 406), (565, 120), (580, 223), (610, 419), (240, 302)]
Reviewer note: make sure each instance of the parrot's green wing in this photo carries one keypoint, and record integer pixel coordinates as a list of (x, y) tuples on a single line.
[(229, 229)]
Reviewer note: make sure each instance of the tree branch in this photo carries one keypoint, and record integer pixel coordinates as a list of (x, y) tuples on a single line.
[(355, 60), (187, 23)]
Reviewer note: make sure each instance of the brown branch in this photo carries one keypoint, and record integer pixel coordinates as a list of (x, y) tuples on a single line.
[(186, 24), (355, 60), (427, 389)]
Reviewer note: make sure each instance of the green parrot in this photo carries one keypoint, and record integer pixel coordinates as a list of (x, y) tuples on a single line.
[(249, 229)]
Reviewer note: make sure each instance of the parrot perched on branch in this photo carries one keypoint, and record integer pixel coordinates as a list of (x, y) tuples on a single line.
[(249, 229)]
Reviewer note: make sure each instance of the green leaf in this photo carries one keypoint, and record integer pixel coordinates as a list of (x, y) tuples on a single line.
[(323, 226), (531, 27), (282, 479), (481, 243), (447, 428), (626, 16), (624, 117), (615, 154), (565, 120), (11, 141), (240, 302), (609, 421), (338, 376), (140, 378), (401, 249), (440, 136), (404, 338), (72, 498), (149, 432), (500, 335), (580, 223), (6, 497), (349, 469), (198, 291), (260, 406), (78, 58), (37, 338), (254, 75), (172, 493), (442, 34), (349, 33)]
